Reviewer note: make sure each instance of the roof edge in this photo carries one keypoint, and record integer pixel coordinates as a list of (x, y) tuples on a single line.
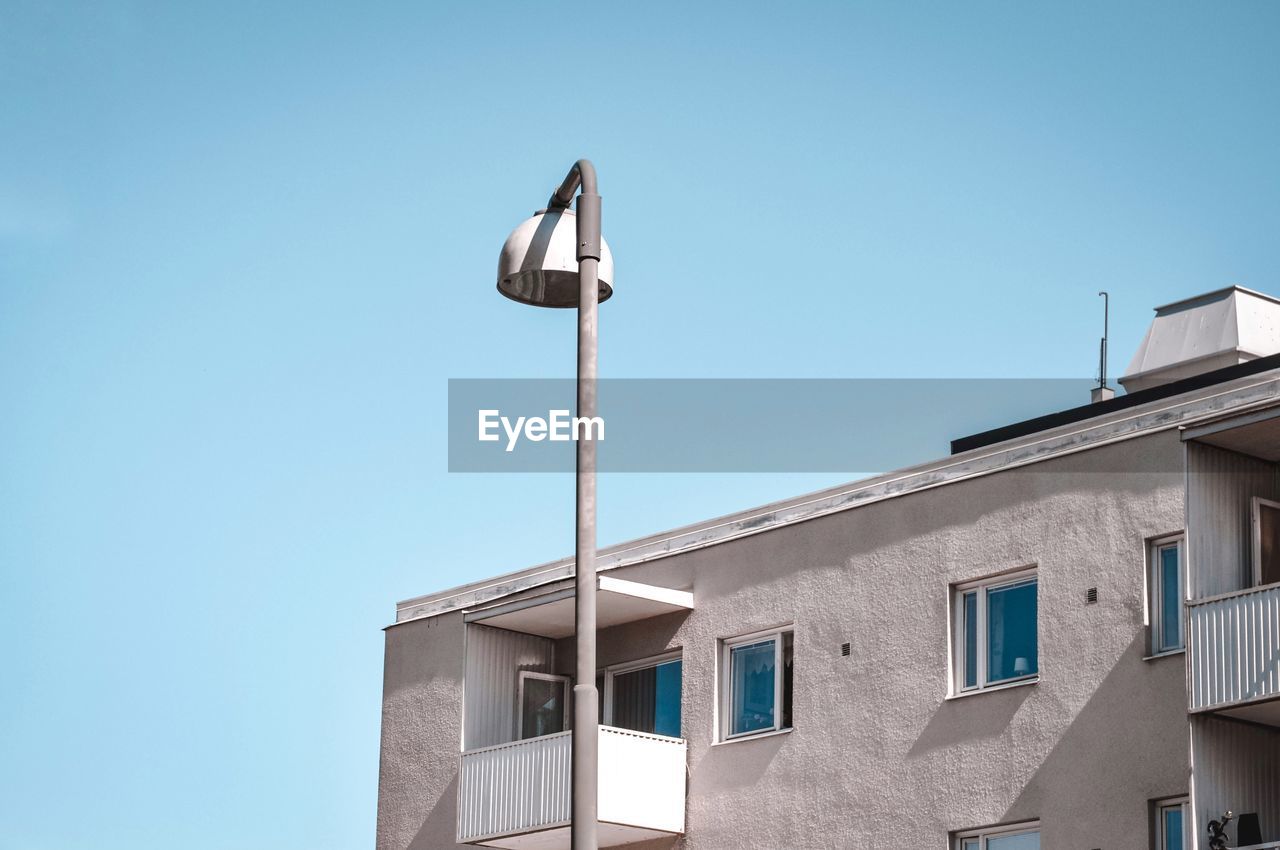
[(1060, 418), (1205, 296), (1247, 392)]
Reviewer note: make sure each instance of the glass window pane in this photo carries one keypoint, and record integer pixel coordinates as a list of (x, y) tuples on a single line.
[(648, 699), (1269, 548), (1021, 841), (635, 699), (751, 683), (1011, 632), (1173, 839), (787, 655), (542, 709), (1170, 599), (970, 639), (666, 713), (969, 844)]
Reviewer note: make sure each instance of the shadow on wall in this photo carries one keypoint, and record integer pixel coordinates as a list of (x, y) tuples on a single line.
[(626, 642), (673, 843), (970, 718), (441, 826), (1129, 738), (737, 765)]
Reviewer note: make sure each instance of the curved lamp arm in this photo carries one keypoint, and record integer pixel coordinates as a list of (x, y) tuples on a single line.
[(582, 174)]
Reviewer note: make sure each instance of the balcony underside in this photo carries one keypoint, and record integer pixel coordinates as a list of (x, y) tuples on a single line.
[(550, 612), (1266, 712), (557, 838)]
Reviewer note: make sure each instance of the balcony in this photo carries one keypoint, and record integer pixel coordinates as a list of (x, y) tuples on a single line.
[(1233, 647), (516, 795)]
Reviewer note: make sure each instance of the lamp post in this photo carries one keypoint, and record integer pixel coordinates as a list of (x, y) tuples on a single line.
[(559, 259)]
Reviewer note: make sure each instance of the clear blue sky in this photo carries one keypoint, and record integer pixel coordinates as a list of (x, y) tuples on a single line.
[(243, 246)]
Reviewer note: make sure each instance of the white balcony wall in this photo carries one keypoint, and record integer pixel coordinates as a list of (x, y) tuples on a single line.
[(1220, 489), (495, 658), (1235, 767), (1234, 648), (642, 779), (524, 786)]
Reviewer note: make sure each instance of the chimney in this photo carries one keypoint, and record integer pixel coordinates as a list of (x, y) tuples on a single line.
[(1197, 335)]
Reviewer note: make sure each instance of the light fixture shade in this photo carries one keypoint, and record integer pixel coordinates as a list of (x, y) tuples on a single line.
[(539, 262)]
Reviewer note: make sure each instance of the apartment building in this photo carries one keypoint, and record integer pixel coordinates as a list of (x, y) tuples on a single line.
[(1066, 634)]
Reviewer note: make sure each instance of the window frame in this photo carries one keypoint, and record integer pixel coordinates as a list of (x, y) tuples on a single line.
[(1155, 594), (1255, 533), (980, 588), (1159, 807), (606, 692), (566, 698), (985, 834), (724, 680)]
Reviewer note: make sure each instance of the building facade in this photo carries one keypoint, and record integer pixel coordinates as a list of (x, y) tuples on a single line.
[(1065, 635)]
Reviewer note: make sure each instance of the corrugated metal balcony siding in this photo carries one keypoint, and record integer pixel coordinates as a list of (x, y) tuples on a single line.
[(515, 787), (1236, 768), (524, 786), (1233, 644)]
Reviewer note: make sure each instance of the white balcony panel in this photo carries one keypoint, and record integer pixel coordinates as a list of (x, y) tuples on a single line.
[(517, 795), (642, 780), (1233, 646)]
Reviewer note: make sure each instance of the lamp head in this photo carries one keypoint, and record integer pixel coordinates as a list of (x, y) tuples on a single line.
[(539, 262)]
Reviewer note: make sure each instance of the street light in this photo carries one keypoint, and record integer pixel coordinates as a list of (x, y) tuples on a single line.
[(559, 259)]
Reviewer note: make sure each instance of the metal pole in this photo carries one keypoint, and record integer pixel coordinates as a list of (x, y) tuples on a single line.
[(1106, 321), (585, 698)]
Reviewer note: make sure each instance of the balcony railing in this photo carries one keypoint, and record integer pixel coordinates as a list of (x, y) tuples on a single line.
[(522, 788), (1233, 643)]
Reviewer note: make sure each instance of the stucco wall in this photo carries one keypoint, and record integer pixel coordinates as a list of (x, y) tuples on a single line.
[(421, 734), (878, 754)]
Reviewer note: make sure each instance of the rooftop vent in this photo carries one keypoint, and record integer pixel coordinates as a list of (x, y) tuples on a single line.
[(1207, 332)]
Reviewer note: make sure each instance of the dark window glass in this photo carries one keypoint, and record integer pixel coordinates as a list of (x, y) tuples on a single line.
[(648, 699), (1173, 839), (1170, 599), (542, 707), (1011, 632), (752, 682), (970, 639), (1269, 544), (787, 655)]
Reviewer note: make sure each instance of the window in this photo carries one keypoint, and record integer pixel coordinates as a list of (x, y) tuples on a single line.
[(644, 696), (1170, 826), (1165, 594), (995, 640), (755, 686), (543, 700), (1266, 541), (1025, 836)]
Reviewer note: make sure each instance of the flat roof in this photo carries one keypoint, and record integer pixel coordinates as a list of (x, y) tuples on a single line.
[(1120, 402)]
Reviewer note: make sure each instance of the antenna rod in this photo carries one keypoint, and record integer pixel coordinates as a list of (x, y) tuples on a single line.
[(1106, 321)]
